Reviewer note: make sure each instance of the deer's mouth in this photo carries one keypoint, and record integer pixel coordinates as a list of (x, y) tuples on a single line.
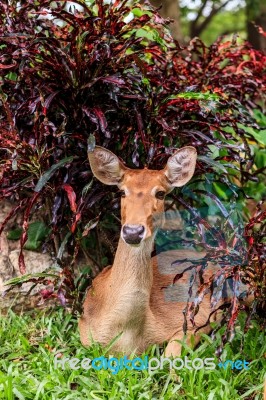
[(133, 242)]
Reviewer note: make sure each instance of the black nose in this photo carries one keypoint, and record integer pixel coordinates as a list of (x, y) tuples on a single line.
[(133, 234)]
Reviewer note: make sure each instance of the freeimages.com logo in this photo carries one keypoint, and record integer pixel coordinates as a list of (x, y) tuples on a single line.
[(115, 365)]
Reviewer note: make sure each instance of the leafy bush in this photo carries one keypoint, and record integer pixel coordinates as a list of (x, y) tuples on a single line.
[(69, 76)]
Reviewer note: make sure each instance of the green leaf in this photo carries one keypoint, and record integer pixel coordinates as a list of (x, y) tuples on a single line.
[(48, 174), (253, 390), (194, 96), (138, 12), (260, 117), (220, 190), (25, 278), (144, 33), (37, 232), (15, 234), (18, 394), (259, 135), (260, 159)]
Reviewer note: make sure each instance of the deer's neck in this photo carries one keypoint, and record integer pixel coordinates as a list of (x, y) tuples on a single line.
[(127, 295), (132, 268)]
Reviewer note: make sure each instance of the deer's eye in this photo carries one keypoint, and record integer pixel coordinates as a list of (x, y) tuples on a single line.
[(160, 195), (123, 194)]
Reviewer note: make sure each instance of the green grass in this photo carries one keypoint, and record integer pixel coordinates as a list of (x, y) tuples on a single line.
[(28, 344)]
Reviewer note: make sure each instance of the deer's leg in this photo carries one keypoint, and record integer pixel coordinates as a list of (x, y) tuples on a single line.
[(174, 347), (84, 332)]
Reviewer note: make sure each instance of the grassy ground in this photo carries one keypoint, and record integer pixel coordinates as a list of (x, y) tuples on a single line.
[(28, 345)]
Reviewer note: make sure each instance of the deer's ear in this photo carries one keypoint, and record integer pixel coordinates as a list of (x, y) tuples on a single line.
[(106, 166), (180, 166)]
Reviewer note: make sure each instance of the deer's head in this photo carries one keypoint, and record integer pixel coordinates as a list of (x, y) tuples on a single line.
[(143, 191)]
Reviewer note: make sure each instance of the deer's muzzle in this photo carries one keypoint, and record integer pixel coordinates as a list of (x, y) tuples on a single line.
[(133, 234)]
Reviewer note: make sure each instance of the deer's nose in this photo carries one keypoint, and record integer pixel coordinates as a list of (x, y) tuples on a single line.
[(133, 234)]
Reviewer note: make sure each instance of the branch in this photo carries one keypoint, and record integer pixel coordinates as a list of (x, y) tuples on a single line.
[(200, 12), (196, 30)]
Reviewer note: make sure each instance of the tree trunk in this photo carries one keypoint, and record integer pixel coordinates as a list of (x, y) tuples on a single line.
[(256, 15), (170, 9)]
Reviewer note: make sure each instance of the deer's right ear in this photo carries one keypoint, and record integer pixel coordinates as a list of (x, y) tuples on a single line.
[(106, 166)]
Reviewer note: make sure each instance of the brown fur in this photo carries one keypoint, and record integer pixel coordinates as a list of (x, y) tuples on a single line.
[(130, 297)]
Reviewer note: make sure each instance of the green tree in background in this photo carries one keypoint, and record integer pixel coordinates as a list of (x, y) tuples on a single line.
[(209, 19)]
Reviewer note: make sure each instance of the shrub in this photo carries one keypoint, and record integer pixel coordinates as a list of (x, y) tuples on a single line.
[(69, 77)]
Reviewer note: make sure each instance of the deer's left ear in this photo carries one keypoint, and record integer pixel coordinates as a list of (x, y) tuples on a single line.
[(180, 166)]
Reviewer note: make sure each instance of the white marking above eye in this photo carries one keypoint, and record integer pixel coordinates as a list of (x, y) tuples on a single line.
[(155, 190), (126, 191)]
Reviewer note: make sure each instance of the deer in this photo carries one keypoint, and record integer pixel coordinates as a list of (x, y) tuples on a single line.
[(126, 300)]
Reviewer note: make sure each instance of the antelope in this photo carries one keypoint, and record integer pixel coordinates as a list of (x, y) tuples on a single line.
[(126, 300)]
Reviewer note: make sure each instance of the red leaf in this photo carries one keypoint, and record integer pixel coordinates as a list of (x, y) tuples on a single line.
[(261, 31), (49, 100), (21, 262), (74, 225), (46, 293), (71, 197), (102, 121), (251, 241), (5, 66)]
